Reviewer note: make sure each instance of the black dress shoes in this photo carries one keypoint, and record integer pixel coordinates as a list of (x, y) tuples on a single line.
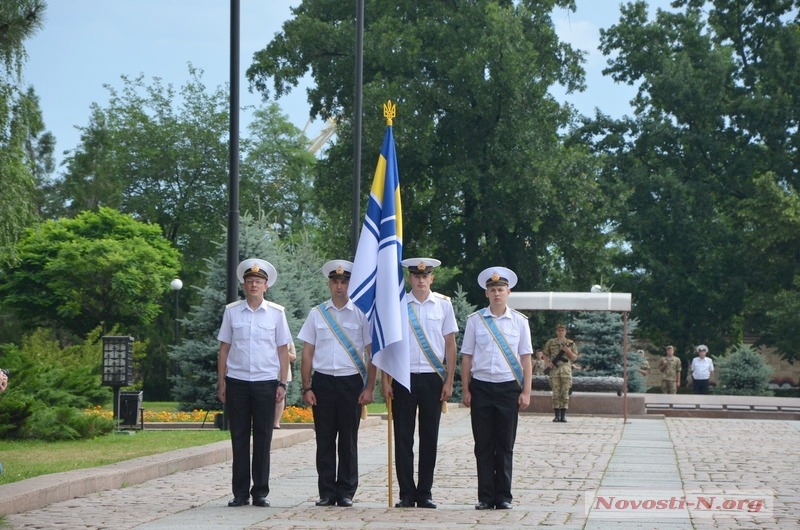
[(344, 502), (483, 506), (426, 503), (502, 506), (326, 502), (239, 501), (261, 501), (404, 503)]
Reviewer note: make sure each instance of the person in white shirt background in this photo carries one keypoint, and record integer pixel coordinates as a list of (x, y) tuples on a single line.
[(702, 369)]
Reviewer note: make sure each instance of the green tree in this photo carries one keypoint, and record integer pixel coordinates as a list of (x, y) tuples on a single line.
[(99, 268), (484, 175), (19, 19), (743, 372), (158, 158), (704, 174), (161, 155), (277, 172), (599, 337)]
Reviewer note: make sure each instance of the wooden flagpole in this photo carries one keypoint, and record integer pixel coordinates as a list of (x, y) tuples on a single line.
[(389, 445)]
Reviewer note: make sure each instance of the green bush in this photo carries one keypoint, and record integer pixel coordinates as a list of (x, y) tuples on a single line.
[(743, 372), (65, 423), (49, 388)]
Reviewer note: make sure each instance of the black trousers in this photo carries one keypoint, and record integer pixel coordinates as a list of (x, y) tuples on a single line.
[(495, 412), (426, 389), (700, 386), (337, 414), (250, 406)]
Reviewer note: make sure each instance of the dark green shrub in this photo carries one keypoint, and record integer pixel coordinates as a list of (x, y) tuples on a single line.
[(743, 372), (49, 388), (65, 423)]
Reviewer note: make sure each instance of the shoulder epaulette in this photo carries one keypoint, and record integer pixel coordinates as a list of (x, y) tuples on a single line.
[(517, 312), (234, 304), (276, 306), (475, 313), (440, 295)]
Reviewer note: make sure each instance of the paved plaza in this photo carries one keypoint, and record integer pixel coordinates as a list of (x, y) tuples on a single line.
[(592, 472)]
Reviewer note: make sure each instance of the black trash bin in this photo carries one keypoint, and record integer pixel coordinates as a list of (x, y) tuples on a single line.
[(129, 405)]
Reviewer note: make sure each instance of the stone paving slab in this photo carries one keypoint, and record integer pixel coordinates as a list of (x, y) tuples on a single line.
[(555, 467)]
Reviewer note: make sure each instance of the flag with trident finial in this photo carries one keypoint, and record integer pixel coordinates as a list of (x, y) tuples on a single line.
[(376, 283)]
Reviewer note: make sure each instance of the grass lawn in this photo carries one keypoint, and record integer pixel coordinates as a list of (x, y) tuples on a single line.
[(22, 459)]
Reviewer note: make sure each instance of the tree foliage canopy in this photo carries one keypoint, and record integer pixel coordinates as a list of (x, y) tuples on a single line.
[(705, 173), (20, 124), (99, 268), (162, 156), (484, 176)]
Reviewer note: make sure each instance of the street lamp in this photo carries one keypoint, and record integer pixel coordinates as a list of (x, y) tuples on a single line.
[(176, 285)]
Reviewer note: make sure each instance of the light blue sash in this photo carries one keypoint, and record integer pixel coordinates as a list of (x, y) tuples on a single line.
[(423, 342), (344, 340), (501, 341)]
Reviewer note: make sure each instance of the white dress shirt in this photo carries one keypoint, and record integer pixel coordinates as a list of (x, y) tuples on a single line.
[(489, 363), (437, 319), (330, 357), (254, 337), (702, 368)]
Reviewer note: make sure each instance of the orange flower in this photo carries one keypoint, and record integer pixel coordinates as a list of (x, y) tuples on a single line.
[(297, 415)]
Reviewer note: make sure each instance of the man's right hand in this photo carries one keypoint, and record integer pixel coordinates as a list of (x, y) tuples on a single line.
[(466, 397), (309, 398), (386, 386)]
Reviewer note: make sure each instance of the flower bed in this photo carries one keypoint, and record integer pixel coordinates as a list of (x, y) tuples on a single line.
[(290, 415)]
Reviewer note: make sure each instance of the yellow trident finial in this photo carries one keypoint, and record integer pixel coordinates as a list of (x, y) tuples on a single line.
[(389, 111)]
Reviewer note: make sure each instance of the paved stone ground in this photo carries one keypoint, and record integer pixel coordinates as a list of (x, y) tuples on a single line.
[(556, 466)]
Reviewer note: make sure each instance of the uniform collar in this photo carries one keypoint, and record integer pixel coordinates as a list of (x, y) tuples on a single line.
[(349, 305), (246, 305), (488, 311), (410, 297)]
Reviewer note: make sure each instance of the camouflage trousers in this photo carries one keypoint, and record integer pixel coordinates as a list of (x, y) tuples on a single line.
[(668, 387), (560, 383)]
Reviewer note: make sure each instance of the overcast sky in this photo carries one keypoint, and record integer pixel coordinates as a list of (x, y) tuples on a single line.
[(85, 44)]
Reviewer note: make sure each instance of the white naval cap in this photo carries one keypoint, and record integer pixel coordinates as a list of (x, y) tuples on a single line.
[(497, 276), (257, 267), (420, 265), (337, 268)]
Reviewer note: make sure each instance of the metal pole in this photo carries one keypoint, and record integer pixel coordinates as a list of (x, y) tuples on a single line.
[(233, 158), (625, 366), (233, 163), (177, 329), (357, 122), (116, 407)]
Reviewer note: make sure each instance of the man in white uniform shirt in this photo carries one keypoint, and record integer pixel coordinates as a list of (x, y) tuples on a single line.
[(432, 346), (702, 369), (252, 368), (496, 384), (336, 382)]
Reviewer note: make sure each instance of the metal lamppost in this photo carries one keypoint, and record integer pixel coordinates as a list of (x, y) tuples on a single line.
[(176, 285), (117, 366)]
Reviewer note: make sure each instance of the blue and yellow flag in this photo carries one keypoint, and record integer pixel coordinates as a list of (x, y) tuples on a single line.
[(376, 283)]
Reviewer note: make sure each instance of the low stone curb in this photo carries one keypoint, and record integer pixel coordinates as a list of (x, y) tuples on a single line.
[(37, 492)]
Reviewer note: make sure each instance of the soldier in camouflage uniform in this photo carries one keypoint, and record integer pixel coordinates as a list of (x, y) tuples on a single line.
[(539, 364), (670, 366), (560, 353)]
